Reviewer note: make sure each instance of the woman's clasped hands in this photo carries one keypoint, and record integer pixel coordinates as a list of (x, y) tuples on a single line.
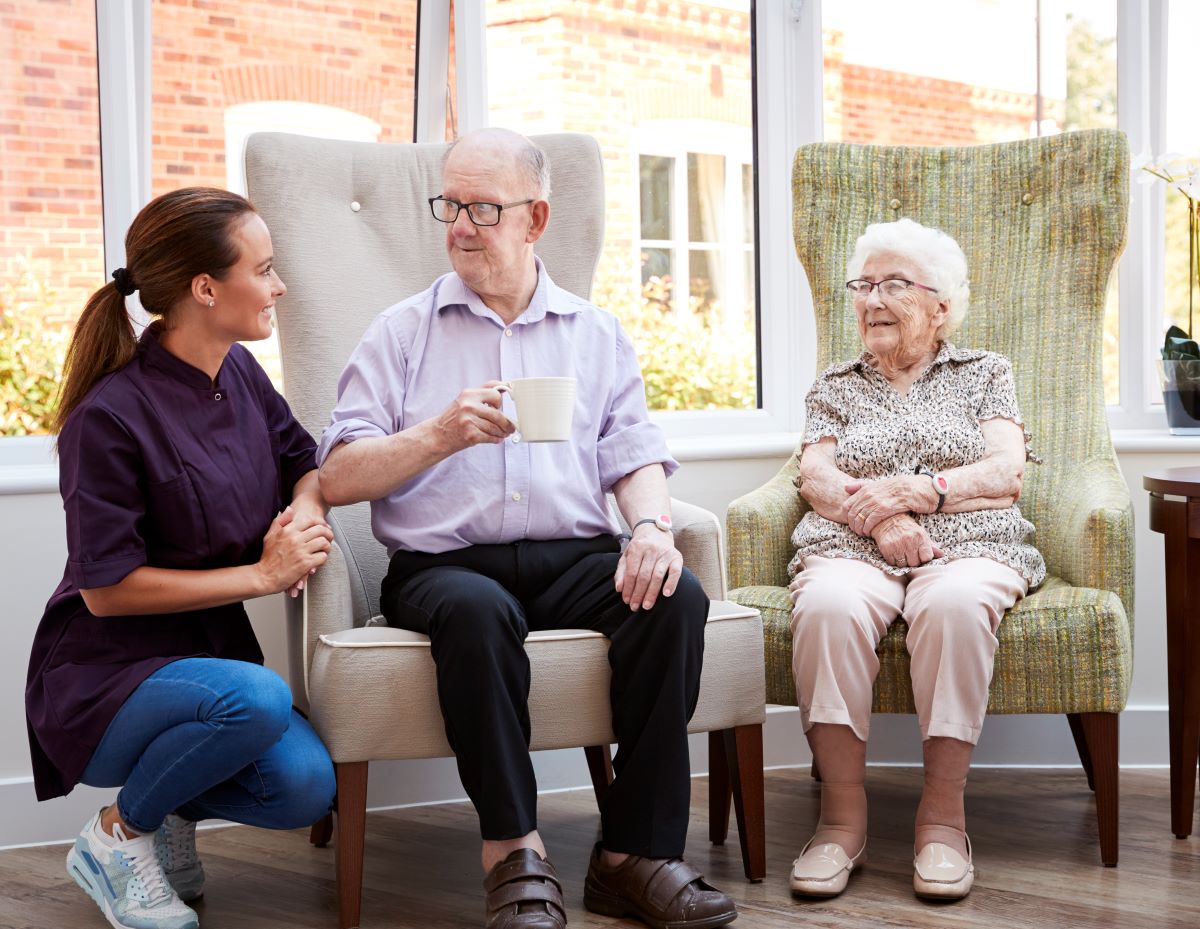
[(294, 547), (882, 510)]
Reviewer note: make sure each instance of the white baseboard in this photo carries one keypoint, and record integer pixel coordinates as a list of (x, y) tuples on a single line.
[(1017, 741)]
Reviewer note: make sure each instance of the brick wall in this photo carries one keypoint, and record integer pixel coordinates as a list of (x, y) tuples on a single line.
[(50, 222)]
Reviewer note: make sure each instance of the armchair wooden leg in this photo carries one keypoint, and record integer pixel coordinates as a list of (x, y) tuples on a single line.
[(744, 751), (351, 836), (599, 759), (1085, 757), (322, 831), (720, 789), (1102, 733)]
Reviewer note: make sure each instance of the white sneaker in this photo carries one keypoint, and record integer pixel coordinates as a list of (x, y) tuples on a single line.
[(126, 881), (175, 843)]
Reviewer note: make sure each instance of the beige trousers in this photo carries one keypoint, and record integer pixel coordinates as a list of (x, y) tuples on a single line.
[(843, 607)]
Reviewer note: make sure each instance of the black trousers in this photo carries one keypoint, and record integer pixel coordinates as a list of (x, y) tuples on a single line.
[(478, 604)]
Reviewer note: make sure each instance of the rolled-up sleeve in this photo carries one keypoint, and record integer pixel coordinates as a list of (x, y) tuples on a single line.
[(370, 390), (628, 440), (101, 475)]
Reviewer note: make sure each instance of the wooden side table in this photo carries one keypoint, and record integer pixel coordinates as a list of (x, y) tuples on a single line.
[(1179, 521)]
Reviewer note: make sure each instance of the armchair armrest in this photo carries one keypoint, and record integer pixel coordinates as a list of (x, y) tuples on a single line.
[(1089, 542), (698, 538), (760, 526), (323, 607)]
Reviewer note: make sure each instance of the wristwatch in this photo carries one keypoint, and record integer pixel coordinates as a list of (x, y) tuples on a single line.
[(662, 522), (941, 486)]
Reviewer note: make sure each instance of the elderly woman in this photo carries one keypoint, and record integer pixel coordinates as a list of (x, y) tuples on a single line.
[(913, 456)]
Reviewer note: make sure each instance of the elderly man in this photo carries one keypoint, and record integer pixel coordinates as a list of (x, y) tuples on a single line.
[(491, 537)]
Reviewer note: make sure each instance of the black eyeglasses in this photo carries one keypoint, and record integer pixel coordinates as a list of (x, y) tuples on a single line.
[(480, 213), (892, 287)]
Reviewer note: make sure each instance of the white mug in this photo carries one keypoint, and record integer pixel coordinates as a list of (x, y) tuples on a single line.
[(545, 406)]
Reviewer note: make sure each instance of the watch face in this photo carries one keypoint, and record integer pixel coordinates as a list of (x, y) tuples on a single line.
[(663, 522), (942, 485)]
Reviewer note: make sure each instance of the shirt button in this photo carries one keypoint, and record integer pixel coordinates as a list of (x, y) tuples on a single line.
[(517, 497), (216, 396), (508, 332), (516, 438)]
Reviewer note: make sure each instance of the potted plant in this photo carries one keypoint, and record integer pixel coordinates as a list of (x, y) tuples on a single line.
[(1179, 366), (1180, 370)]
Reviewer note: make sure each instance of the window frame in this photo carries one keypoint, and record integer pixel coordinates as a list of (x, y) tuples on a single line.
[(787, 45)]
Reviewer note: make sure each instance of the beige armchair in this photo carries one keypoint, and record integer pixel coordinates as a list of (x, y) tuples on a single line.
[(353, 235)]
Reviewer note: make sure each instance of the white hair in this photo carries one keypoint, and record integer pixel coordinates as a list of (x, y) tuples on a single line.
[(939, 258)]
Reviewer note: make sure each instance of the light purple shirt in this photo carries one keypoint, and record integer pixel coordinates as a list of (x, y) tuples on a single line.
[(418, 355)]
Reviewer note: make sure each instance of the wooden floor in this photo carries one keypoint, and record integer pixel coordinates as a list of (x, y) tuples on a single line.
[(1034, 834)]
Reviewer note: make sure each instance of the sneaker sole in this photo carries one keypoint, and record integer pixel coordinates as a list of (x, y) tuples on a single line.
[(79, 870), (606, 904), (81, 874)]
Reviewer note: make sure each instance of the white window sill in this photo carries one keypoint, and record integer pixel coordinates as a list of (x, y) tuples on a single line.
[(27, 465)]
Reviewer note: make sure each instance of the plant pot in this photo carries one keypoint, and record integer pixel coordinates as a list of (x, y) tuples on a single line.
[(1181, 395)]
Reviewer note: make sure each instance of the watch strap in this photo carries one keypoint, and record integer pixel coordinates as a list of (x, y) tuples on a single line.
[(652, 520), (939, 483)]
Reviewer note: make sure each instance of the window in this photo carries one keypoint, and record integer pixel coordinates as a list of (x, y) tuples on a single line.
[(666, 89), (695, 256), (895, 78), (1182, 139), (51, 228)]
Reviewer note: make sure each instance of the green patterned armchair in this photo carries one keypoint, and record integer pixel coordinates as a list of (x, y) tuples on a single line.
[(1042, 223)]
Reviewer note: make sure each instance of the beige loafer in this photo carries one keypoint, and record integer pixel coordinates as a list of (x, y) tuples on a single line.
[(941, 873), (823, 870)]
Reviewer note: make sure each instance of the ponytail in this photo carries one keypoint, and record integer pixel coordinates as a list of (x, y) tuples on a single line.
[(103, 342)]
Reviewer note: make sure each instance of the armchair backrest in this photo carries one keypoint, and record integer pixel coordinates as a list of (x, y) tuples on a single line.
[(353, 235), (1042, 223)]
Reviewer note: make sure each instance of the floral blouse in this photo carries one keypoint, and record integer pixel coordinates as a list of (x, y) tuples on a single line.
[(881, 433)]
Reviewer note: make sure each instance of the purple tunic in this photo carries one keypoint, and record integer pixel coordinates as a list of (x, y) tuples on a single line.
[(156, 467)]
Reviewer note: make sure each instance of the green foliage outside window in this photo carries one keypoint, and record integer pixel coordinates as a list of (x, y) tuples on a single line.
[(31, 356), (689, 360)]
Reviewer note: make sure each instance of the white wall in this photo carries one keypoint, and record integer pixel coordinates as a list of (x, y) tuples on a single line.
[(34, 551)]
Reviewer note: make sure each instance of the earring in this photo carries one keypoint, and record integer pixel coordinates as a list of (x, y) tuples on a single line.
[(212, 302)]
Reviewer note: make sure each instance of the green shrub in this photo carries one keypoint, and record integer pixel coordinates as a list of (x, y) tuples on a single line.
[(690, 360), (31, 356)]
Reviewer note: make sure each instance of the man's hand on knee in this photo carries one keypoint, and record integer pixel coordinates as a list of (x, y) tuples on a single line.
[(650, 565)]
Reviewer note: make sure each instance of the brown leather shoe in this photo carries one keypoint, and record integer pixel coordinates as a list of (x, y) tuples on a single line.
[(523, 892), (667, 893)]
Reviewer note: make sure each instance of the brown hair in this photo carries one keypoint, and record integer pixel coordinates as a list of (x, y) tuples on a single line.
[(172, 239)]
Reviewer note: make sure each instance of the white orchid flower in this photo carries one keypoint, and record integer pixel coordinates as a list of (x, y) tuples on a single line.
[(1143, 159), (1188, 185)]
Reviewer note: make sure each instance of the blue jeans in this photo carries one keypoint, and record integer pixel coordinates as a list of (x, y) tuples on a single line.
[(211, 738)]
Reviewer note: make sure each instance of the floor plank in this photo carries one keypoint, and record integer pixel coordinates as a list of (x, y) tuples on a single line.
[(1034, 833)]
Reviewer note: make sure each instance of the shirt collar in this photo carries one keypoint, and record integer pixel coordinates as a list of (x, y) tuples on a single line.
[(946, 352), (548, 297), (159, 359)]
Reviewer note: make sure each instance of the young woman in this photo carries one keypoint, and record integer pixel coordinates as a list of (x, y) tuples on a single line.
[(188, 487)]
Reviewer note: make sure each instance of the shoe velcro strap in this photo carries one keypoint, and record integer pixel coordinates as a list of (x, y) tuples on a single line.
[(524, 892), (521, 870), (668, 882)]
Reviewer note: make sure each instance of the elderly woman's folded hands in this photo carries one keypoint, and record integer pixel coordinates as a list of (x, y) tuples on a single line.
[(904, 542)]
